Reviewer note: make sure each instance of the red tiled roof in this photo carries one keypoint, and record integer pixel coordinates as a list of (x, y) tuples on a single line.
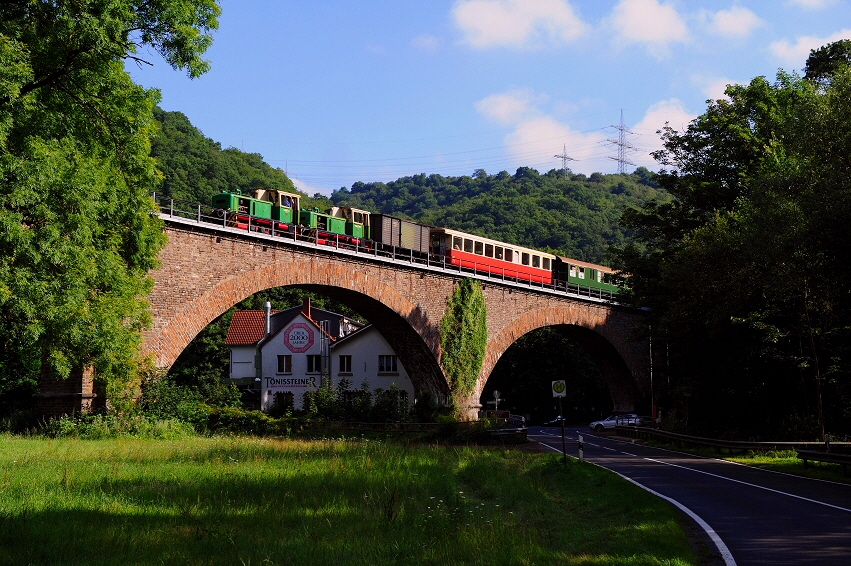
[(247, 327)]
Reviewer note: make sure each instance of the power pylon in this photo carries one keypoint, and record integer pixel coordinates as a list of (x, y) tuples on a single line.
[(623, 146), (564, 159)]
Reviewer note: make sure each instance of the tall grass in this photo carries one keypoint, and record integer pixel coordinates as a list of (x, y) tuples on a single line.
[(231, 500)]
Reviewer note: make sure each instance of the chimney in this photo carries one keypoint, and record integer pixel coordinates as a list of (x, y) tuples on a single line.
[(305, 308), (268, 307)]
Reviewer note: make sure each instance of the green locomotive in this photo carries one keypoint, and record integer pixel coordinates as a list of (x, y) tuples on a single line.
[(269, 209)]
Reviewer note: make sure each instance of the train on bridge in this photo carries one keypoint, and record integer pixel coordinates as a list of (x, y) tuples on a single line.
[(280, 213)]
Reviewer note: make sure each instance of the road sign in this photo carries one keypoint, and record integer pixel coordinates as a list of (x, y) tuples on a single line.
[(559, 388)]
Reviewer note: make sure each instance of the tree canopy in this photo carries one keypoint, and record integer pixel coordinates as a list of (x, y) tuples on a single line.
[(78, 232), (746, 271)]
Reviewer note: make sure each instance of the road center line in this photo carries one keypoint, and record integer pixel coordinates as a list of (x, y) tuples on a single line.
[(743, 483)]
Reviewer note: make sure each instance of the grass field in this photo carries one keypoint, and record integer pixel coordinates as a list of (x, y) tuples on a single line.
[(232, 500)]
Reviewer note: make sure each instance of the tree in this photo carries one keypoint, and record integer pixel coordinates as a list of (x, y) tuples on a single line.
[(78, 231), (825, 61), (745, 271)]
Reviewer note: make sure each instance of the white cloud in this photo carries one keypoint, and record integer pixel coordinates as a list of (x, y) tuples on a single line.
[(796, 54), (735, 22), (510, 107), (516, 23), (811, 4), (426, 42), (649, 22), (672, 112), (713, 87), (536, 134), (542, 135)]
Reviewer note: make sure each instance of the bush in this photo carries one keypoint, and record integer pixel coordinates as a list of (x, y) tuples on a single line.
[(229, 419), (97, 426)]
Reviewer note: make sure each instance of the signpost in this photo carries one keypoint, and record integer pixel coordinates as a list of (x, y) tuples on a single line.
[(560, 391)]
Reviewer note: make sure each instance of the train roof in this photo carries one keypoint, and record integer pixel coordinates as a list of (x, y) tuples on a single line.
[(494, 242), (578, 263)]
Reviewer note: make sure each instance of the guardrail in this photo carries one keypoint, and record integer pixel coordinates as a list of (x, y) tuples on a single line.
[(731, 445), (829, 457), (264, 229)]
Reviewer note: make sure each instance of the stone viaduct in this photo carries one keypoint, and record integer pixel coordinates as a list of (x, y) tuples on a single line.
[(207, 269)]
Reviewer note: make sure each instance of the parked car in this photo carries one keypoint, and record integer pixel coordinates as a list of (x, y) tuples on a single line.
[(612, 421)]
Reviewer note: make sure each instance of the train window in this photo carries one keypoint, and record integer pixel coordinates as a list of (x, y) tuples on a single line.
[(468, 246), (582, 273), (525, 260), (509, 255), (498, 252), (599, 277), (488, 250), (456, 243), (536, 261), (573, 271), (480, 248), (547, 263)]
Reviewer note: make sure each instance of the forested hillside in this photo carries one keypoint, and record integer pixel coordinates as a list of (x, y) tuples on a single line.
[(195, 167), (573, 215)]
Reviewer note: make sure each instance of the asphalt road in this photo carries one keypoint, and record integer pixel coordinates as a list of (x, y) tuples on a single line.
[(761, 517)]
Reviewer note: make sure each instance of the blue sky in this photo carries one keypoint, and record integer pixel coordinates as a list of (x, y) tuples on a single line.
[(336, 92)]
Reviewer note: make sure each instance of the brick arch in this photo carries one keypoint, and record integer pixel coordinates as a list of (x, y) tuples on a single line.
[(403, 324), (591, 329)]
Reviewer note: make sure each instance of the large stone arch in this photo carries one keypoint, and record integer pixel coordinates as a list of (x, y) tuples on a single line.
[(178, 319), (613, 354)]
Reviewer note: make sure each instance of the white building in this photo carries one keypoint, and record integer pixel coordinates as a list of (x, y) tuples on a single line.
[(281, 355)]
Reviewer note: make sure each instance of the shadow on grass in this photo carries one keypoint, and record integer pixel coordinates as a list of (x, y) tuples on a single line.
[(327, 504)]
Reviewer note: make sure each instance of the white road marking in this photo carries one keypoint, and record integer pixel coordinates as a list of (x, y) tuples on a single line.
[(719, 544), (710, 532), (733, 480), (747, 484)]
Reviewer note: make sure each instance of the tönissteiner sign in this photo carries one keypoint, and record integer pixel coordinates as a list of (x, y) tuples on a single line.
[(290, 382), (298, 337)]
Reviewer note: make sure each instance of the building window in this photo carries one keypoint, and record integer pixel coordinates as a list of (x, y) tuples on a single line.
[(387, 364), (285, 364), (314, 364), (345, 364), (284, 400)]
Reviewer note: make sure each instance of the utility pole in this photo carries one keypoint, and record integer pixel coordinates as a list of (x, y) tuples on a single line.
[(623, 146), (564, 159)]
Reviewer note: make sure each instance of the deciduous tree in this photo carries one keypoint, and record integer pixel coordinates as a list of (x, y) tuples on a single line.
[(78, 232)]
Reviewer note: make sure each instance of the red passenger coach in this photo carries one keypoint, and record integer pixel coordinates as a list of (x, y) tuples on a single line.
[(482, 254)]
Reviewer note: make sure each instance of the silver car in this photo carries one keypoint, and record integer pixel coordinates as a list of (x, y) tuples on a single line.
[(613, 420)]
